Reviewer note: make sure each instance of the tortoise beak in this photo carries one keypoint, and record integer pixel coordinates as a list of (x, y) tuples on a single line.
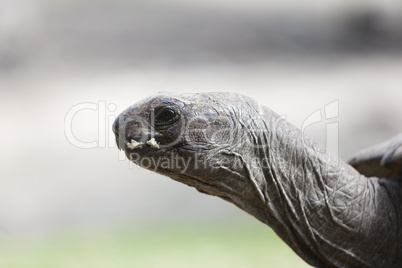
[(128, 131), (116, 130)]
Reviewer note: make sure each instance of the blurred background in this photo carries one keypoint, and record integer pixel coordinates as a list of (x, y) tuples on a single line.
[(65, 206)]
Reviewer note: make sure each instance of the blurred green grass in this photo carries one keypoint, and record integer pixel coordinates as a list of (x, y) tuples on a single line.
[(154, 246)]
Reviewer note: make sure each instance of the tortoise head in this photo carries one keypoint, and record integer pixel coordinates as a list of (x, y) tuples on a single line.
[(197, 139)]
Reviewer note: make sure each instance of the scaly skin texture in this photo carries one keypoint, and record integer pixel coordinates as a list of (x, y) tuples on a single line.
[(227, 145)]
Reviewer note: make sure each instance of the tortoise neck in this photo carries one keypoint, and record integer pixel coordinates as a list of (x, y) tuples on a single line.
[(316, 202)]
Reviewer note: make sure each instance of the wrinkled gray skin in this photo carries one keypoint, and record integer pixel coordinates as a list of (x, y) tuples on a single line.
[(228, 145)]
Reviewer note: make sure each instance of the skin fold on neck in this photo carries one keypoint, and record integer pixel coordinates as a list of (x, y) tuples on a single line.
[(326, 211)]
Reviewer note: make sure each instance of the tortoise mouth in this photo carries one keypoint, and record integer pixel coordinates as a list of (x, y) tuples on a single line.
[(134, 144), (129, 134), (127, 142)]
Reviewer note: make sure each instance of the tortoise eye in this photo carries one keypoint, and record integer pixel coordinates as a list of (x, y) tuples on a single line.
[(166, 115)]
